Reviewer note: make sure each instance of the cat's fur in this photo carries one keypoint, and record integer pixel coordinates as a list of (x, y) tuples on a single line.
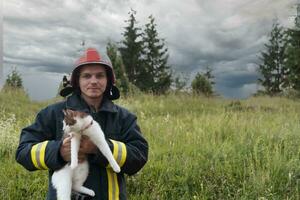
[(73, 175)]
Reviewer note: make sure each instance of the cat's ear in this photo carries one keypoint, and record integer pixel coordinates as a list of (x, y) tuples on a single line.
[(69, 117), (68, 112)]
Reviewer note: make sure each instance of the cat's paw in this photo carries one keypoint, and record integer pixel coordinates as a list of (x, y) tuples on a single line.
[(73, 165), (116, 168), (91, 193)]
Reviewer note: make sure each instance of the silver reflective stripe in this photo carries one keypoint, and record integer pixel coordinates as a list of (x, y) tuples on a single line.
[(37, 154), (119, 152)]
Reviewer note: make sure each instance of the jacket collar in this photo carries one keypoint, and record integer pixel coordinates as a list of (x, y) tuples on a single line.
[(76, 102)]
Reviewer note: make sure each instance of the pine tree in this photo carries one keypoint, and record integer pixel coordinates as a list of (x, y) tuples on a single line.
[(293, 53), (131, 49), (122, 81), (156, 74), (273, 70)]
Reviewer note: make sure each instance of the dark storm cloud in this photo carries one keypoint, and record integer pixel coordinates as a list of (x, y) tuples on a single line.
[(237, 79), (47, 35)]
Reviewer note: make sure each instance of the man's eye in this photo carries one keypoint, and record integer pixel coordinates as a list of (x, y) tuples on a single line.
[(100, 76), (85, 76)]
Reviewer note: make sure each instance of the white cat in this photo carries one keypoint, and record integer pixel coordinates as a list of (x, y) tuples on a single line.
[(72, 176)]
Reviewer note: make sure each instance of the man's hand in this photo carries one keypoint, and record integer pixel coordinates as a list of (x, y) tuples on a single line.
[(87, 146), (65, 151)]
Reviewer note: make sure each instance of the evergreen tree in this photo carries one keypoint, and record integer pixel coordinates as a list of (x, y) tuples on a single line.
[(122, 81), (201, 85), (156, 74), (131, 49), (293, 53), (14, 80), (273, 70)]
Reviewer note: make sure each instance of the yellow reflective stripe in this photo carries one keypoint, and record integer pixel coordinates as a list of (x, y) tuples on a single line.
[(119, 152), (109, 179), (38, 155), (33, 156), (113, 185), (116, 186), (116, 150)]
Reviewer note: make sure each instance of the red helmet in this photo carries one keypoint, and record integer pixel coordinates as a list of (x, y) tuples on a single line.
[(92, 56)]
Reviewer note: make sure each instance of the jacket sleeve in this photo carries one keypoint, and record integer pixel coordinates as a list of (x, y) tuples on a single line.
[(131, 152), (37, 148)]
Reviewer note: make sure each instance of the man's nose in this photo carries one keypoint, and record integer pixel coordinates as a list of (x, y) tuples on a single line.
[(94, 79)]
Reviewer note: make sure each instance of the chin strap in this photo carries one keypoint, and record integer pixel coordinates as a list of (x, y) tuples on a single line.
[(87, 126)]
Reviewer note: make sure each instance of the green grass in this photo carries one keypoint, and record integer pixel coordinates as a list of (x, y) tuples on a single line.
[(200, 148)]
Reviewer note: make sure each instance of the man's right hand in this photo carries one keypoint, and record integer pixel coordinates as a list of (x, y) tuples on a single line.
[(65, 149)]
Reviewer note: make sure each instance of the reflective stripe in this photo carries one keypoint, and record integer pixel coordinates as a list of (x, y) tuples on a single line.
[(38, 155), (123, 153), (115, 150), (119, 152), (42, 154), (33, 156), (113, 185), (119, 156)]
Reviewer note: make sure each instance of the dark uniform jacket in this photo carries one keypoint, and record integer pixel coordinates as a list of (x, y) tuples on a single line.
[(39, 147)]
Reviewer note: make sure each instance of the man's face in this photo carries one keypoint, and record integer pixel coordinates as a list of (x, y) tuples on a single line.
[(92, 81)]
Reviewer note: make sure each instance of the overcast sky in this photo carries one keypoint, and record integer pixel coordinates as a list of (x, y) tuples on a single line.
[(41, 38)]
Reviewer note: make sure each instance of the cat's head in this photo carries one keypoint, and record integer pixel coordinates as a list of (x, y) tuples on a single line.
[(75, 120)]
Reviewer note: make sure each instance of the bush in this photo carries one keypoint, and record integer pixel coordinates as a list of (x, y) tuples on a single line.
[(14, 80), (201, 85)]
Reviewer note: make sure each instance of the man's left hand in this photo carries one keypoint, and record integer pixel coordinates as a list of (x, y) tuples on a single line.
[(87, 146)]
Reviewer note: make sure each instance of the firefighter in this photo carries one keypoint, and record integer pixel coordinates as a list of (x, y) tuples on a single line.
[(92, 89)]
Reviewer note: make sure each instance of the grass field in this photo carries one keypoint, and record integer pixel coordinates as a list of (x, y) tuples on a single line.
[(200, 148)]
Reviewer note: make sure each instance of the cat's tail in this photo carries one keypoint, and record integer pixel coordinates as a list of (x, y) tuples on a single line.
[(62, 182)]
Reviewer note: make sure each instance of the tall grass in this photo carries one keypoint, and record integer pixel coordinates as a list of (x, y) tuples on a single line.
[(200, 148)]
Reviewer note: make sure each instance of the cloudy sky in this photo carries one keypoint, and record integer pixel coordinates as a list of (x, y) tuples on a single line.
[(41, 38)]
